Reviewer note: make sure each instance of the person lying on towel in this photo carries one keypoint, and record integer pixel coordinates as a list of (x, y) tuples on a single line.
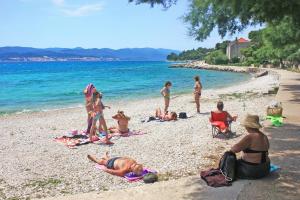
[(122, 120), (168, 116), (118, 166)]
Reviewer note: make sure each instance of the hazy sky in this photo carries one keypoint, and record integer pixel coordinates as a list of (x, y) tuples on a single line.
[(96, 24)]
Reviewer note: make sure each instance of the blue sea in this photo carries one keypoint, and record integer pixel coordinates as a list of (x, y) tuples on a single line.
[(35, 86)]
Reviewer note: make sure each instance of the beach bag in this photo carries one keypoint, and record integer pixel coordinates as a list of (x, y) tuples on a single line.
[(276, 112), (182, 115), (150, 178), (227, 166), (214, 178)]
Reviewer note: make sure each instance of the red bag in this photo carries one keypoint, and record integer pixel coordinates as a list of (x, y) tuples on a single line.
[(214, 178)]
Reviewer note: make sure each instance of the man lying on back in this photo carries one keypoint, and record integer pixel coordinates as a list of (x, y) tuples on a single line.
[(118, 166)]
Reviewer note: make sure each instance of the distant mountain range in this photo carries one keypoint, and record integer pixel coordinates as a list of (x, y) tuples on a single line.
[(28, 54)]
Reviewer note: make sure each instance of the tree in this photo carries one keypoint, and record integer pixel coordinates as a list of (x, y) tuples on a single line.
[(172, 56), (216, 57), (222, 46), (274, 44), (231, 16), (194, 54), (164, 3)]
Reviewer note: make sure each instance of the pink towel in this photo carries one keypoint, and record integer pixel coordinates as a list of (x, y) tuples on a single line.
[(130, 133), (129, 176)]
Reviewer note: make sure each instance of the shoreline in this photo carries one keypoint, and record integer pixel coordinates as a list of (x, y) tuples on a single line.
[(109, 101), (205, 66), (207, 94)]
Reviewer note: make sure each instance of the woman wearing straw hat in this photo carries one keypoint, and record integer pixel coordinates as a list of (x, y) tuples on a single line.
[(254, 162)]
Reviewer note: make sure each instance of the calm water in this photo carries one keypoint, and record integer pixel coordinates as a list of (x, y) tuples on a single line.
[(37, 86)]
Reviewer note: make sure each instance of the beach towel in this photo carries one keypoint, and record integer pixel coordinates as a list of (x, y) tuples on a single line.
[(130, 133), (131, 177), (73, 138), (275, 120), (71, 142)]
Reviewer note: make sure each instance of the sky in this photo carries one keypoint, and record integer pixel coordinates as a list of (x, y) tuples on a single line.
[(98, 24)]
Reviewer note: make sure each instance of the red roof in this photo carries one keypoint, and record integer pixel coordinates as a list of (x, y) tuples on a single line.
[(242, 40)]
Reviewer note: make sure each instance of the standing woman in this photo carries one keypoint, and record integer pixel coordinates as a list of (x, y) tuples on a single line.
[(197, 92), (165, 92), (88, 93)]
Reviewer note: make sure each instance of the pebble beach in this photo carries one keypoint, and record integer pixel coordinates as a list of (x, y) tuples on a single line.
[(35, 166)]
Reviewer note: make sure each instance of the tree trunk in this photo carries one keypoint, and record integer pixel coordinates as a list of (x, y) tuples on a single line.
[(281, 63)]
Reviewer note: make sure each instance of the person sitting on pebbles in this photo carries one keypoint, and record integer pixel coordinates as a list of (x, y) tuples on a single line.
[(118, 166), (122, 120), (167, 116)]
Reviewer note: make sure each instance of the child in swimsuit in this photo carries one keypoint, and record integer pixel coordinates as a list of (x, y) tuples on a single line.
[(165, 92), (103, 107), (88, 93), (122, 123), (98, 115)]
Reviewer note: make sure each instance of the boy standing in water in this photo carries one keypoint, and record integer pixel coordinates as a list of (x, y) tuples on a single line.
[(98, 115), (165, 92)]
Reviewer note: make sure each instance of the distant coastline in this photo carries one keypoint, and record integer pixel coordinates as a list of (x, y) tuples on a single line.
[(53, 59), (29, 54)]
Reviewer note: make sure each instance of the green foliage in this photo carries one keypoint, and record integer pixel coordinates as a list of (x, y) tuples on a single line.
[(216, 57), (194, 54), (172, 56), (231, 16), (277, 43), (274, 44), (164, 3), (222, 46), (235, 60)]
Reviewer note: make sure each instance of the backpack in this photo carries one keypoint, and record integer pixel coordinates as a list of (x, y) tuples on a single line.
[(227, 165), (182, 115)]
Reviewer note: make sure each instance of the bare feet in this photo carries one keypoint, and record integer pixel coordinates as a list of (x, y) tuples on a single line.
[(105, 156), (106, 141), (92, 158)]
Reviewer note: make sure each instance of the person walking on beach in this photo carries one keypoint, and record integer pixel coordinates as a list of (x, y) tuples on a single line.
[(97, 114), (165, 92), (88, 93), (197, 92)]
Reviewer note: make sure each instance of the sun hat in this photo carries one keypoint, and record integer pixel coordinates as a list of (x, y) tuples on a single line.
[(251, 121)]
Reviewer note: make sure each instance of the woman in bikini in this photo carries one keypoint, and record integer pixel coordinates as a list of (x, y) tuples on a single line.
[(197, 92), (88, 93), (165, 116), (254, 162), (165, 92), (122, 120), (97, 114)]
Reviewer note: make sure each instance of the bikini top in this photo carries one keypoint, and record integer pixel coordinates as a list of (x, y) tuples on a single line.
[(263, 154)]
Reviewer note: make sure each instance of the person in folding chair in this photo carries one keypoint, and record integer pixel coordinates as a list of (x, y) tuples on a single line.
[(221, 120)]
